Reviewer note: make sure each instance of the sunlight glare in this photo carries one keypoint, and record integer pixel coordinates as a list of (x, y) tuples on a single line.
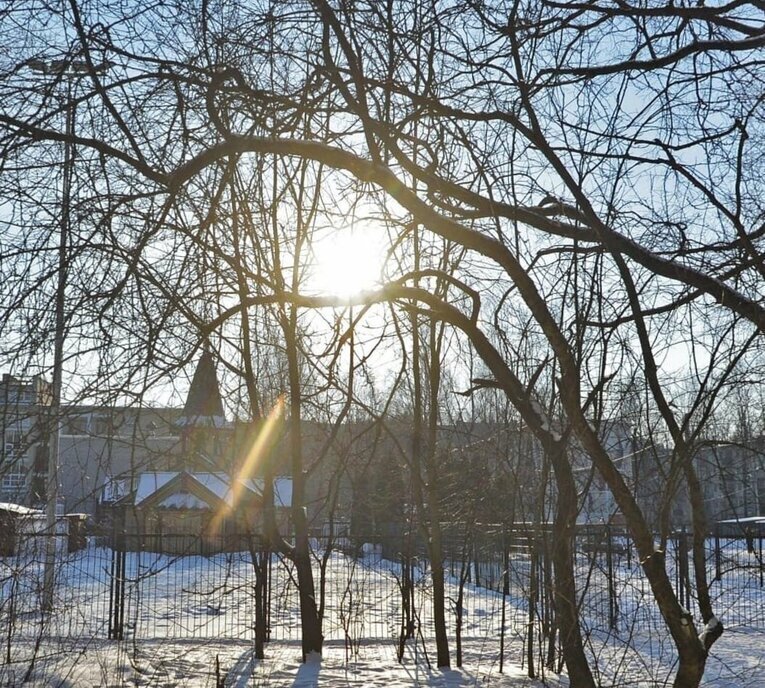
[(347, 262), (262, 444)]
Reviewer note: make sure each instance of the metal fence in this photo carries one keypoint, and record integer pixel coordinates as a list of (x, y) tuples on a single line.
[(498, 585)]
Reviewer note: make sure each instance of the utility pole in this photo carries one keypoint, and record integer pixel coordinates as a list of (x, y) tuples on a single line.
[(66, 70)]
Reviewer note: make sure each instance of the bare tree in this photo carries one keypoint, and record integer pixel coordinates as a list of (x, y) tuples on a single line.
[(623, 137)]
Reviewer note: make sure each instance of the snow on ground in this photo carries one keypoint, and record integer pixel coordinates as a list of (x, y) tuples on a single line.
[(737, 663), (188, 622), (193, 665)]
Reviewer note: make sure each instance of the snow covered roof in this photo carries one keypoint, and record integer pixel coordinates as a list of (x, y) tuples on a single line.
[(219, 484), (183, 500), (149, 483), (282, 490), (18, 509)]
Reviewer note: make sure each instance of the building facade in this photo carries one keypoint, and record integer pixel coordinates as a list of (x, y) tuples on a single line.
[(24, 418), (356, 474)]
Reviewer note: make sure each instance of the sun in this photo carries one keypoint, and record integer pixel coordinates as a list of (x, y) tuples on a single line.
[(346, 262)]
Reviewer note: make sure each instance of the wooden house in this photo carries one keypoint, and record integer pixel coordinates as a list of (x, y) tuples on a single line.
[(182, 512), (202, 504)]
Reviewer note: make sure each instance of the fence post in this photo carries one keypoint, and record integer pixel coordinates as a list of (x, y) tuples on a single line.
[(505, 593), (123, 581), (533, 583), (612, 605), (475, 561), (551, 620), (110, 633), (679, 582), (685, 569), (407, 629), (259, 556), (718, 555), (117, 589)]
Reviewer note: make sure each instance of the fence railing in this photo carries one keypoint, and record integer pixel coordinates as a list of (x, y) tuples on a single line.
[(498, 582)]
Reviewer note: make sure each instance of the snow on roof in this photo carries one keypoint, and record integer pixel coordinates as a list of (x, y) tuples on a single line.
[(282, 489), (12, 508), (149, 483), (183, 500), (217, 483), (746, 519)]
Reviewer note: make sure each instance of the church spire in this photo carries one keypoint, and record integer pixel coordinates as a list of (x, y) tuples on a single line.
[(204, 406)]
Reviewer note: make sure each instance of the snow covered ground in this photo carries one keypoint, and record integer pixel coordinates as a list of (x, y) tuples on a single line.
[(737, 663), (189, 620), (165, 664)]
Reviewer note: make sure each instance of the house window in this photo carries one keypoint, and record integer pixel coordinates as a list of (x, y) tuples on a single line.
[(12, 479)]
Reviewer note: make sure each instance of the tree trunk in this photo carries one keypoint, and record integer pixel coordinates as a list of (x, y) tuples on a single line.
[(690, 671), (439, 596), (565, 596), (309, 611), (312, 638)]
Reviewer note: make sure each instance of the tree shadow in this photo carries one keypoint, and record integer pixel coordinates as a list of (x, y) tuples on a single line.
[(308, 673), (238, 676)]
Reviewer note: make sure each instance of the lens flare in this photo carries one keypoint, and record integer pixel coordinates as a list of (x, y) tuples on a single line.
[(258, 451)]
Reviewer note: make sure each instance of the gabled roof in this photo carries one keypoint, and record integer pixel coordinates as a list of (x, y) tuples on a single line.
[(184, 490), (204, 405), (149, 483)]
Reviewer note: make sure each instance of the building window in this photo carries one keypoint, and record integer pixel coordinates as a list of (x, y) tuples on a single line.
[(13, 479), (76, 426), (104, 426), (14, 446)]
